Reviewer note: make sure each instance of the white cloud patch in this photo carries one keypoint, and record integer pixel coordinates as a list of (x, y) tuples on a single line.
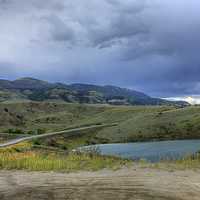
[(193, 100)]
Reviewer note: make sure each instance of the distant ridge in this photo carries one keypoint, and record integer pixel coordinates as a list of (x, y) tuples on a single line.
[(25, 83), (29, 88)]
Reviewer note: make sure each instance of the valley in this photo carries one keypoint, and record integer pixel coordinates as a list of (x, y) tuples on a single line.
[(48, 132)]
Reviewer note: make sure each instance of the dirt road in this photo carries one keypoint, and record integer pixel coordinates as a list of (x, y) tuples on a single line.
[(126, 184), (70, 132)]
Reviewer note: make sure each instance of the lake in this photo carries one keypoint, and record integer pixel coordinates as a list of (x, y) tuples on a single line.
[(151, 151)]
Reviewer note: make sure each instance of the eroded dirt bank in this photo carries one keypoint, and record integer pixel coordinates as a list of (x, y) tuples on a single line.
[(126, 184)]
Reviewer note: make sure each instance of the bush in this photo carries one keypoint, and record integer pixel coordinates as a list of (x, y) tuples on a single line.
[(36, 142), (31, 132), (15, 131)]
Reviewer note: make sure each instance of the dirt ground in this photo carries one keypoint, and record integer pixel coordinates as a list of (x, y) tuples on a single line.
[(126, 184)]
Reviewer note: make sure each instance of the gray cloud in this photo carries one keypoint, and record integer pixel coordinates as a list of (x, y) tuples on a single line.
[(59, 30), (150, 45)]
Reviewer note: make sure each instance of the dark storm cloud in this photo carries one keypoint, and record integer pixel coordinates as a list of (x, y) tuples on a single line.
[(59, 31), (150, 45)]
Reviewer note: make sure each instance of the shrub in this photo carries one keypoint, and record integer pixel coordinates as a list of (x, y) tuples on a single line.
[(15, 131), (36, 142)]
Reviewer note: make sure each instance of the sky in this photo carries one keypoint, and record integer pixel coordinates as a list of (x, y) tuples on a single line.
[(148, 45)]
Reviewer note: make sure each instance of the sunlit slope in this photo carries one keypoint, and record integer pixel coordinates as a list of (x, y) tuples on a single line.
[(154, 124)]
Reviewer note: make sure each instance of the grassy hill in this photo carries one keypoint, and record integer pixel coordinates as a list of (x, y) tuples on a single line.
[(135, 123), (38, 90)]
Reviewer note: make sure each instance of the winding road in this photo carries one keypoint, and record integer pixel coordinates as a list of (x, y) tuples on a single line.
[(70, 132)]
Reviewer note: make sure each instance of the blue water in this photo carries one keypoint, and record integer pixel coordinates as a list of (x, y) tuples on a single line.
[(150, 151)]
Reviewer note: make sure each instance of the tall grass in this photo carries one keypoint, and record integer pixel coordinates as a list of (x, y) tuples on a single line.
[(37, 161)]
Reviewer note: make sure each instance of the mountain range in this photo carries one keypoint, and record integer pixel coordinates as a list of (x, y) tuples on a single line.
[(39, 90)]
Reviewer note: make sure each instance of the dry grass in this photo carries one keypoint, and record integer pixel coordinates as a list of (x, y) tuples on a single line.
[(34, 160)]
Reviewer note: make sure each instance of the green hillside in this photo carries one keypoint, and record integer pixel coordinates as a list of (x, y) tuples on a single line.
[(135, 123), (38, 90)]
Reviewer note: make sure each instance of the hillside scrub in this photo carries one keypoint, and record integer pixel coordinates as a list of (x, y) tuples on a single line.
[(135, 123)]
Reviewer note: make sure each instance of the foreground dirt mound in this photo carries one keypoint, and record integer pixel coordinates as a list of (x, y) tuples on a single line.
[(125, 184)]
